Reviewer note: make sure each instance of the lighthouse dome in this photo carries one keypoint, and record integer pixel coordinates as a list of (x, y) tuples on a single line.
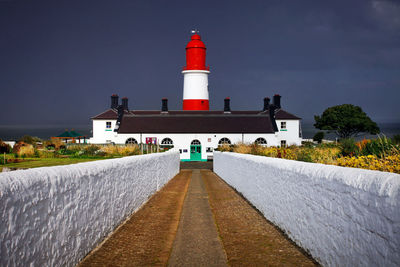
[(195, 42)]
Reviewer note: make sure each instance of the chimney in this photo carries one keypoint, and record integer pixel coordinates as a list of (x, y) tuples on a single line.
[(227, 104), (164, 107), (114, 101), (125, 103), (266, 103), (272, 117), (120, 110), (277, 101)]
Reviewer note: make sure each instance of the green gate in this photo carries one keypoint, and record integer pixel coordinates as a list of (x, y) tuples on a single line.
[(195, 150)]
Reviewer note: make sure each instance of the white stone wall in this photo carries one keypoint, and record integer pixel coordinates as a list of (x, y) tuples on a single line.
[(54, 216), (342, 216)]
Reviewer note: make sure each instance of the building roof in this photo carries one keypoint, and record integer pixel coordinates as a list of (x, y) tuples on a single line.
[(281, 114), (113, 114), (109, 114), (186, 123)]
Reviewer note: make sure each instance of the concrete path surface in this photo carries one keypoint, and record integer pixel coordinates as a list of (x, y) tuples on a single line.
[(197, 220), (197, 242)]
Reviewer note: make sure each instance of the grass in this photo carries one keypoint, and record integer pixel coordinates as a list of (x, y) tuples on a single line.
[(45, 162)]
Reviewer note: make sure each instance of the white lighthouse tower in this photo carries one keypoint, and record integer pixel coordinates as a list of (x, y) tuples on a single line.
[(195, 75)]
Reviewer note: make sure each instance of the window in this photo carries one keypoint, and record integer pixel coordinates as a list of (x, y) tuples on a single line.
[(283, 126), (209, 149), (167, 142), (108, 124), (283, 143), (195, 142), (224, 141), (260, 141), (131, 141)]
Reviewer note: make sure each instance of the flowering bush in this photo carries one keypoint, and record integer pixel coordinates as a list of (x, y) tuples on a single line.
[(372, 162), (386, 156)]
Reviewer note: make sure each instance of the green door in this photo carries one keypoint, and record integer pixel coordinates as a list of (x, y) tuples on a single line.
[(195, 150)]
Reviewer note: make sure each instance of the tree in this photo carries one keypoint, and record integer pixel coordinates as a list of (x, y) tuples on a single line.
[(346, 121), (318, 137)]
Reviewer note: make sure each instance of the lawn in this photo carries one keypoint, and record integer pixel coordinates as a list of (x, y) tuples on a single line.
[(45, 162)]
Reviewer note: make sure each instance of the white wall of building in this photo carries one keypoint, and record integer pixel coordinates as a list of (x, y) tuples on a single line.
[(183, 141), (342, 216), (101, 134), (291, 133), (54, 216)]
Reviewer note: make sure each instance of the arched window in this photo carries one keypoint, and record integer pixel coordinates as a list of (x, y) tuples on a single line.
[(260, 141), (167, 142), (131, 141), (195, 142), (224, 141)]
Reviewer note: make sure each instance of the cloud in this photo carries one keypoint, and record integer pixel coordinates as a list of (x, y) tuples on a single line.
[(387, 13)]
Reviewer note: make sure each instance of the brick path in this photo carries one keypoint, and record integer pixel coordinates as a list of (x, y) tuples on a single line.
[(197, 220)]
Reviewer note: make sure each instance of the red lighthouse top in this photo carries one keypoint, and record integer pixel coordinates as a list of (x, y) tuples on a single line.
[(196, 54)]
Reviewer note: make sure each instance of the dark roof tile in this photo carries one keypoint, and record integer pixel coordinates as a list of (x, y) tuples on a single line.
[(196, 124)]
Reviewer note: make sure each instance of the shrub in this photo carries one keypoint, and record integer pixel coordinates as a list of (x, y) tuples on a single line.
[(396, 139), (318, 137), (379, 147), (54, 143), (242, 148), (304, 155), (4, 148), (307, 144), (225, 148), (348, 147), (90, 150), (30, 139), (26, 151)]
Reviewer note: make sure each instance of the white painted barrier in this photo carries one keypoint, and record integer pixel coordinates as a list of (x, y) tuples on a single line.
[(342, 216), (54, 216)]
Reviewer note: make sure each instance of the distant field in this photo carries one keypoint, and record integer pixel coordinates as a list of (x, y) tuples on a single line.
[(45, 162)]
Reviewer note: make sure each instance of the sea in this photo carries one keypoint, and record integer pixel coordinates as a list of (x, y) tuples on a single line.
[(15, 132)]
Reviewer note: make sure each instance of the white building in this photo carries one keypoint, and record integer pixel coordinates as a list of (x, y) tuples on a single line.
[(196, 131)]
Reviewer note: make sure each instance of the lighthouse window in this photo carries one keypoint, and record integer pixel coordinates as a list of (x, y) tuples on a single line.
[(283, 125), (260, 141), (283, 143), (131, 141), (108, 124), (224, 141)]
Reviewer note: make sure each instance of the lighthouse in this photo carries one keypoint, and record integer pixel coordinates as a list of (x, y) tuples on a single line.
[(195, 75)]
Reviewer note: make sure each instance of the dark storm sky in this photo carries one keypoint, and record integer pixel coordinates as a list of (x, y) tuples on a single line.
[(61, 60)]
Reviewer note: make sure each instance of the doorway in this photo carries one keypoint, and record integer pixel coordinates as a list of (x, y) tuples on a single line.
[(195, 150)]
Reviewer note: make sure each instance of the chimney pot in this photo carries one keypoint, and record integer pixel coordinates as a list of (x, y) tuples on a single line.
[(125, 103), (277, 101), (114, 101), (266, 103), (227, 104), (164, 107)]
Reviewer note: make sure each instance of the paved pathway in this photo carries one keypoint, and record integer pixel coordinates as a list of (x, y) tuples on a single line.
[(197, 242), (197, 220)]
